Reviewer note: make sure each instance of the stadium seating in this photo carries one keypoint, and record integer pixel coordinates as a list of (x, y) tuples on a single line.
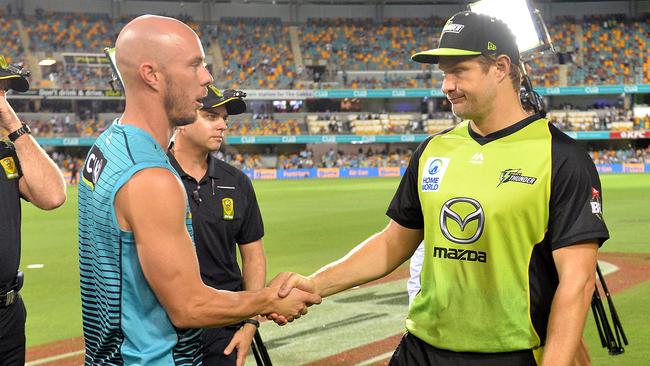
[(11, 47), (615, 51), (610, 156), (363, 44), (264, 126), (257, 52)]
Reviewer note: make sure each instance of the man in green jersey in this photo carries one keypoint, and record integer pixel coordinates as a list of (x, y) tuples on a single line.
[(510, 212)]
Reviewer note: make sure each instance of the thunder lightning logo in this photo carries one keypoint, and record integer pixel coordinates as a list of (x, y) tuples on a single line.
[(514, 175)]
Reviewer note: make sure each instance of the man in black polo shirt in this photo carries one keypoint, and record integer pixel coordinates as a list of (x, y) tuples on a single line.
[(29, 173), (224, 213)]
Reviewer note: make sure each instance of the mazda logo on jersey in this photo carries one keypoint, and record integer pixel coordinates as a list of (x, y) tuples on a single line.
[(93, 167), (462, 220)]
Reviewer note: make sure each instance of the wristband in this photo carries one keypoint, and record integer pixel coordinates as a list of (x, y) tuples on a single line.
[(23, 130), (252, 321)]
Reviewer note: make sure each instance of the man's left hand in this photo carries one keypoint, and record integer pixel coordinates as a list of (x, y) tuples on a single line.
[(8, 119), (242, 342)]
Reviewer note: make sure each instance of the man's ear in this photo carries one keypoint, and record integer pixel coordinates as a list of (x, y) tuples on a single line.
[(503, 65), (150, 76)]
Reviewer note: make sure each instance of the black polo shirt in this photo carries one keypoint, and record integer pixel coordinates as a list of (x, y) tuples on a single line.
[(10, 173), (224, 213)]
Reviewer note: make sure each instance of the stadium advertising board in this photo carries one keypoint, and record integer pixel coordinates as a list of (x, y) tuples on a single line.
[(623, 168), (344, 139), (389, 172), (328, 173), (637, 134), (265, 174), (294, 94)]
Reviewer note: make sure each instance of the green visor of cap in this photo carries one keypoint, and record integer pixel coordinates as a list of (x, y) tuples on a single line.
[(431, 56)]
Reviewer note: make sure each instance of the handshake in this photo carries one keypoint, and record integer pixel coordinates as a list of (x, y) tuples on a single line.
[(293, 294)]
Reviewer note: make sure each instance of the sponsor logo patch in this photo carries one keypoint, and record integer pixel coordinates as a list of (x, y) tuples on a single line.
[(514, 175), (596, 206), (93, 168), (460, 254), (434, 171), (9, 166), (228, 208), (462, 220), (477, 158), (452, 28)]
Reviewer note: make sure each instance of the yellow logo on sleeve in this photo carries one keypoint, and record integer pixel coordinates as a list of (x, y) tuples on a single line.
[(9, 167), (228, 208)]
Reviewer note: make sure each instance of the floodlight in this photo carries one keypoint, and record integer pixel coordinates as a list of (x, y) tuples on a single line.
[(47, 62), (524, 21), (531, 34)]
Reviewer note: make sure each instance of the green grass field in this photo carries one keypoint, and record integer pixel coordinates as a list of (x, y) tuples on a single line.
[(308, 224)]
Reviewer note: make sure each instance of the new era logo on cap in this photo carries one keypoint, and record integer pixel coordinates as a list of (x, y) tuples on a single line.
[(491, 46)]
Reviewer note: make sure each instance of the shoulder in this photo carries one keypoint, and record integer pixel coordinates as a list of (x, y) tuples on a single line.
[(566, 152), (228, 171), (154, 182), (423, 145)]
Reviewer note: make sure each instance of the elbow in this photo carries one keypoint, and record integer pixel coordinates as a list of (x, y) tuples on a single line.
[(190, 313), (53, 201), (183, 319)]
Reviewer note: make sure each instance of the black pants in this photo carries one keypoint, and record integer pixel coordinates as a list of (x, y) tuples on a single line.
[(12, 334), (214, 341), (412, 351)]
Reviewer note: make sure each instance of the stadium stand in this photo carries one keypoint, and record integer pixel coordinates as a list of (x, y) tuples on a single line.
[(365, 123), (610, 156), (11, 47), (257, 52)]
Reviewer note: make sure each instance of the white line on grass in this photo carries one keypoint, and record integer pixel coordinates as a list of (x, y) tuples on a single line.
[(54, 358), (375, 359)]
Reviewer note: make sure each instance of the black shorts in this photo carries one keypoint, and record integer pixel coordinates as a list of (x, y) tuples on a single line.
[(214, 341), (12, 334), (412, 351)]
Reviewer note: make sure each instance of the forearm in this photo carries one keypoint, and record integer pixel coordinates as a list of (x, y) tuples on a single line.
[(44, 181), (253, 265), (254, 273), (376, 257), (217, 308), (566, 323)]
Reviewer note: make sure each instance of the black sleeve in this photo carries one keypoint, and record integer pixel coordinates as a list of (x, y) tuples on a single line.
[(405, 208), (252, 227), (9, 161), (575, 212)]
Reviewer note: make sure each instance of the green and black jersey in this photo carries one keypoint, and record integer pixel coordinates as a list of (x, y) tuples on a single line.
[(493, 208)]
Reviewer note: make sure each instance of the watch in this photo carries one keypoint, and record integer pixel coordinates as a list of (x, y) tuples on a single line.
[(23, 130)]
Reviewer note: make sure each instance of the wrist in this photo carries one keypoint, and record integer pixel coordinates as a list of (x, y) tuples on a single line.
[(251, 323), (13, 125), (18, 132), (270, 297)]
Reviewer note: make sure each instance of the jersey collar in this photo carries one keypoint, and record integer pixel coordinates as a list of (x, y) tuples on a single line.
[(482, 140)]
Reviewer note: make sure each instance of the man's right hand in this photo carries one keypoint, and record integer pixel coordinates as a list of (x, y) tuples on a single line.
[(289, 285)]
